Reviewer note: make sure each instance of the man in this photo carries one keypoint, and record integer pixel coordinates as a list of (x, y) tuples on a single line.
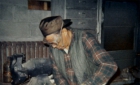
[(76, 56)]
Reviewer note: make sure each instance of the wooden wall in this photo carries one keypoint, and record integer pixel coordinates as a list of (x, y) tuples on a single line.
[(34, 49)]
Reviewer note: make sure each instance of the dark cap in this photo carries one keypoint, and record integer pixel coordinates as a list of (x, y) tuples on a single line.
[(50, 25), (53, 24)]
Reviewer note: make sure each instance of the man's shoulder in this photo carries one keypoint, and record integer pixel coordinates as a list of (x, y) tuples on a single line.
[(88, 33), (84, 32)]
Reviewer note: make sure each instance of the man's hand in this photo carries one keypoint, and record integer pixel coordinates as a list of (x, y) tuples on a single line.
[(52, 80)]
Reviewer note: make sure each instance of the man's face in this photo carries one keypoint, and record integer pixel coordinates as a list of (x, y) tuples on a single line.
[(54, 40)]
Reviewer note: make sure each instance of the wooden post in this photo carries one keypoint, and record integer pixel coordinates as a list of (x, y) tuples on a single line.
[(45, 5)]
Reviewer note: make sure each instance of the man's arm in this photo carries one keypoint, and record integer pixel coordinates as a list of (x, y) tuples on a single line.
[(59, 80), (107, 66)]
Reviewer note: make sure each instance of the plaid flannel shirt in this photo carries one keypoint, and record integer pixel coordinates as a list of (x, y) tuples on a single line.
[(106, 65)]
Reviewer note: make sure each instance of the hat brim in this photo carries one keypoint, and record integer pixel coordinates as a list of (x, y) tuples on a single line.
[(67, 22)]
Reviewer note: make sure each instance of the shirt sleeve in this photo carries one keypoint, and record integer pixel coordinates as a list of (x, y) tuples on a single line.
[(59, 79), (106, 65)]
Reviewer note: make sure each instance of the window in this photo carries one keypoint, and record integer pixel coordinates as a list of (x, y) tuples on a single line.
[(39, 4)]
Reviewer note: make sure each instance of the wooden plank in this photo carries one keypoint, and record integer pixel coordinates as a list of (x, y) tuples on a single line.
[(1, 61), (36, 50), (40, 50), (13, 48), (4, 55), (18, 47), (9, 44), (58, 8), (32, 49), (4, 51), (45, 52), (23, 47), (28, 50)]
